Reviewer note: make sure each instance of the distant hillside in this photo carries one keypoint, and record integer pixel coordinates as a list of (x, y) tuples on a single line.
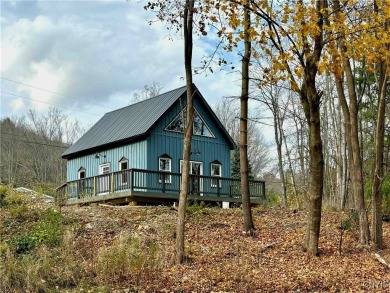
[(31, 148)]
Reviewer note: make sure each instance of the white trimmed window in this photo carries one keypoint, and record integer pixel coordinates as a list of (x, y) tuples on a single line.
[(104, 168), (216, 171), (165, 165), (123, 165)]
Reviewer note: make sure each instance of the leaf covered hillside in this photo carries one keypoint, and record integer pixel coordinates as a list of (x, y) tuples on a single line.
[(105, 248)]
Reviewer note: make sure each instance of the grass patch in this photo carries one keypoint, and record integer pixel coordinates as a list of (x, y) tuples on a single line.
[(130, 258), (46, 270)]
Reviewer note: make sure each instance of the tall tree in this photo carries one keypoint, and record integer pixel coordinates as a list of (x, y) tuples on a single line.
[(352, 41), (188, 14), (383, 78), (179, 17), (270, 96), (248, 225), (301, 41), (351, 110)]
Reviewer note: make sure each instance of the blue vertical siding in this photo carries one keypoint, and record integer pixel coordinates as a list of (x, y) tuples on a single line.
[(144, 154), (171, 143), (136, 153)]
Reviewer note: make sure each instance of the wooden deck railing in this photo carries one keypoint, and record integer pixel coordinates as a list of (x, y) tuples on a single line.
[(138, 180)]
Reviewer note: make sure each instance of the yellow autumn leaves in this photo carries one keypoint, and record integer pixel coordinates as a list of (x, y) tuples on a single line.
[(283, 32)]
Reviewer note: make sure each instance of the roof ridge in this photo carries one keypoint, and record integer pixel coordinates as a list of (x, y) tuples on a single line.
[(145, 100), (114, 126)]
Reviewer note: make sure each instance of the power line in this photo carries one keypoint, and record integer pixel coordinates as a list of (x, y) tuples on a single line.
[(19, 135), (34, 142), (48, 103), (69, 97)]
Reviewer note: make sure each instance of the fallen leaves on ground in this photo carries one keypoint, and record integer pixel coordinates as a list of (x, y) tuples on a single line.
[(221, 258)]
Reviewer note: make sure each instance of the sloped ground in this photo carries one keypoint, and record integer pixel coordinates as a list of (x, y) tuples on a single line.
[(219, 257)]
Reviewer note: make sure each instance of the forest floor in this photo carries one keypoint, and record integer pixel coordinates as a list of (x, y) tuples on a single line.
[(130, 248)]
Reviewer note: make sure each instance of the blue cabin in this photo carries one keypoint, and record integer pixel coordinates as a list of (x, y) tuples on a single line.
[(135, 154)]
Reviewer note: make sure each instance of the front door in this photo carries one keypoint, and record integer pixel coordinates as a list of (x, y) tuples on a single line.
[(196, 182), (104, 178)]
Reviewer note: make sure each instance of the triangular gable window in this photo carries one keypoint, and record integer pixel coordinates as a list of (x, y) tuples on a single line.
[(200, 127)]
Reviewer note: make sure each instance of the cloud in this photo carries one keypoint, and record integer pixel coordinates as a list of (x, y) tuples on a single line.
[(96, 51)]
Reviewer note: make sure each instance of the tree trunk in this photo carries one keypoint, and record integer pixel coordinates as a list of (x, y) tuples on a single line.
[(293, 181), (314, 204), (244, 165), (357, 167), (347, 127), (188, 24), (377, 232), (356, 158), (278, 139)]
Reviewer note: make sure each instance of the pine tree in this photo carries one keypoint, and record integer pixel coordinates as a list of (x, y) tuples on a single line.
[(235, 165)]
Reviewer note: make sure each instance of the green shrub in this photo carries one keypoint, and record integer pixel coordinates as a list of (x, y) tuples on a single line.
[(350, 221), (16, 205), (195, 208), (3, 193), (4, 189), (23, 244), (272, 198), (19, 212), (130, 258), (385, 189), (48, 230), (386, 196), (14, 198)]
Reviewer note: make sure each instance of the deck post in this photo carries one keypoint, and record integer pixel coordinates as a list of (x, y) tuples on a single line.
[(94, 186), (112, 182), (131, 179), (163, 183), (263, 189)]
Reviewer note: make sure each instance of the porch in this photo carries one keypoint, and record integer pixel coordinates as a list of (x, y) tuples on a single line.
[(134, 185)]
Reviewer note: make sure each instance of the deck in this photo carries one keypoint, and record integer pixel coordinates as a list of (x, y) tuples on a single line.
[(135, 185)]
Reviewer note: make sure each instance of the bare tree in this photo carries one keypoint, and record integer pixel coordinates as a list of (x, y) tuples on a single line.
[(148, 92), (270, 96), (31, 148), (228, 113), (187, 31)]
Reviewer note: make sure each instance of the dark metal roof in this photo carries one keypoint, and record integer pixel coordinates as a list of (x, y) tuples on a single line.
[(125, 123), (131, 123)]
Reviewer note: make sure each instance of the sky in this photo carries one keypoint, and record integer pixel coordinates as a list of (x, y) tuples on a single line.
[(89, 57)]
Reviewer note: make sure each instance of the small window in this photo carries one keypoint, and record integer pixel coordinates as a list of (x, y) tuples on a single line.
[(164, 165), (82, 173), (123, 165), (216, 171), (104, 169)]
